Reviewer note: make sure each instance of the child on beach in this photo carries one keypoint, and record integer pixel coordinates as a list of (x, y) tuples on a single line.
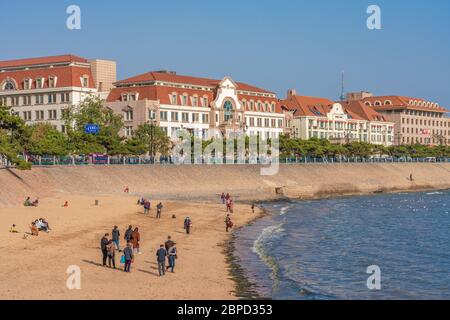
[(13, 229), (228, 223), (34, 229)]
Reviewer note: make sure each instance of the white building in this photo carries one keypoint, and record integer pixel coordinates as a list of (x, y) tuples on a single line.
[(39, 89)]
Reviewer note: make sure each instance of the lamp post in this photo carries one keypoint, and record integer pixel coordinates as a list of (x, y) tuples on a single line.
[(151, 122)]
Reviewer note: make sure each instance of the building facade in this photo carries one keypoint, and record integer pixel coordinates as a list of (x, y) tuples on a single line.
[(311, 117), (416, 120), (204, 107), (40, 89)]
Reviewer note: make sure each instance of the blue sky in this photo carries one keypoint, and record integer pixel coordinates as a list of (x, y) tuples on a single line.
[(272, 44)]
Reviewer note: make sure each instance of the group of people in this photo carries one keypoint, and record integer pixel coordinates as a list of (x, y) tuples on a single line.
[(109, 247), (29, 203), (39, 225), (228, 201), (148, 206)]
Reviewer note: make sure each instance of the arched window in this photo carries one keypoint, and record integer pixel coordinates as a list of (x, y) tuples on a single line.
[(388, 103), (378, 103), (368, 104), (9, 85), (228, 111)]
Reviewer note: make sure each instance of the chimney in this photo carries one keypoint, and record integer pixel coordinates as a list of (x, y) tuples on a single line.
[(291, 92)]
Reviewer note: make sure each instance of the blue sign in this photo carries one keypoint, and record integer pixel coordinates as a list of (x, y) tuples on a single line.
[(91, 129)]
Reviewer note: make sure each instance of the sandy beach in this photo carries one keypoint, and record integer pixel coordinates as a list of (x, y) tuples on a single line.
[(35, 267)]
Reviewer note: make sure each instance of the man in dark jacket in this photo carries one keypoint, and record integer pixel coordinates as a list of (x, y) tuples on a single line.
[(128, 253), (158, 210), (116, 237), (161, 258), (128, 234), (103, 244)]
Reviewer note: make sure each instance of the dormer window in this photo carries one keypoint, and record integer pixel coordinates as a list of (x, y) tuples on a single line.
[(9, 85), (205, 102), (52, 81), (194, 101), (133, 97), (124, 97), (173, 98), (184, 100), (39, 83), (85, 81), (27, 84)]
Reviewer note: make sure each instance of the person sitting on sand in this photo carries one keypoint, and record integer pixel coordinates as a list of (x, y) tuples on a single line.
[(126, 190), (35, 203), (27, 202), (42, 225), (13, 229), (34, 229), (135, 238), (66, 204)]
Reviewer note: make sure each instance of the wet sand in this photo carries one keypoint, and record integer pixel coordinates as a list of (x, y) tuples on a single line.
[(35, 267)]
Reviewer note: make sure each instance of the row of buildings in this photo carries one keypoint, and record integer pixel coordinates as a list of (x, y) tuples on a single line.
[(40, 89)]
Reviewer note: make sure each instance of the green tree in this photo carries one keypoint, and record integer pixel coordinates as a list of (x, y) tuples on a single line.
[(149, 138), (92, 111), (13, 137), (47, 140)]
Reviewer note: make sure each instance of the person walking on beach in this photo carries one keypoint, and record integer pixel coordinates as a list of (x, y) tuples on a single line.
[(135, 238), (111, 249), (147, 206), (128, 255), (161, 259), (187, 225), (128, 233), (167, 245), (115, 233), (158, 210), (253, 207), (222, 198), (103, 245), (172, 255), (228, 223)]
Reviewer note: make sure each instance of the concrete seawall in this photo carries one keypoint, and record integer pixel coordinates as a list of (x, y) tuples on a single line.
[(299, 181)]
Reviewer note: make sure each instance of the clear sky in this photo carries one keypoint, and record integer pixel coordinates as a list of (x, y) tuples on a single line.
[(272, 44)]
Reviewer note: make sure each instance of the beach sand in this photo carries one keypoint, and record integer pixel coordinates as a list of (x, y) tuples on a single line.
[(35, 268)]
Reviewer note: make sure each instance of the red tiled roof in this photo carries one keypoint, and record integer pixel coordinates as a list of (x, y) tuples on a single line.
[(362, 111), (195, 81), (41, 61), (402, 102), (307, 106), (66, 76)]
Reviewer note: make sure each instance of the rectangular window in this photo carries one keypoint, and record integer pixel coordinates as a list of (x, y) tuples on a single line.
[(184, 100), (151, 115), (174, 116), (52, 114), (39, 83), (27, 115), (128, 131), (194, 101), (40, 99), (259, 122), (266, 123), (195, 117), (65, 97), (51, 82), (252, 122), (52, 98), (205, 102), (15, 101), (185, 117), (26, 100), (205, 118), (128, 115), (273, 123), (173, 99), (39, 115), (163, 115)]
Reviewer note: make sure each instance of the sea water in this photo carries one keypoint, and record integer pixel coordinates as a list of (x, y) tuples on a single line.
[(322, 249)]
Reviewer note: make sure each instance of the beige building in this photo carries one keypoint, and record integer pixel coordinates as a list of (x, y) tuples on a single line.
[(312, 117), (203, 107), (416, 120), (40, 89)]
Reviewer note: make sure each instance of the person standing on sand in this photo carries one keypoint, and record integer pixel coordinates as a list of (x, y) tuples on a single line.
[(116, 237), (135, 238), (111, 254), (103, 246), (253, 207), (172, 255), (128, 254), (128, 233), (222, 197), (187, 225), (147, 206), (161, 259), (158, 210), (228, 223)]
